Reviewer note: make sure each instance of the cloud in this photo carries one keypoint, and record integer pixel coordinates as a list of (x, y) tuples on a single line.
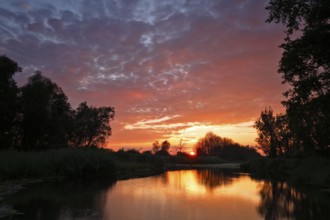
[(158, 124), (241, 131), (209, 61)]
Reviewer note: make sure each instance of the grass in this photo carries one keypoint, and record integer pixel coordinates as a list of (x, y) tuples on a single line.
[(71, 163), (55, 163), (310, 171), (85, 163)]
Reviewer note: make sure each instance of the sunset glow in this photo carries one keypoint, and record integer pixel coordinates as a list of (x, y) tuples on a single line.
[(173, 70), (183, 195)]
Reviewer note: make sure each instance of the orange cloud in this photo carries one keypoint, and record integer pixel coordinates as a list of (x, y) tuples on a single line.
[(175, 71)]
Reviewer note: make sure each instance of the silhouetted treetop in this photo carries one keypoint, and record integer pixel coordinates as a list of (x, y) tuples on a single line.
[(161, 149), (299, 14), (8, 100), (274, 137), (226, 148), (38, 116), (92, 125), (305, 66), (46, 114)]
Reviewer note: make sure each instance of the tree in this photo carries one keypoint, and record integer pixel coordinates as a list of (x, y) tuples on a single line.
[(267, 139), (209, 145), (92, 125), (46, 115), (305, 67), (284, 135), (181, 145), (164, 148), (155, 147), (8, 100), (38, 115), (225, 148), (161, 149), (274, 134)]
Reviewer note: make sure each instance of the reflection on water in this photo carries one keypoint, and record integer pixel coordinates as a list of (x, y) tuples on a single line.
[(189, 194), (280, 200), (183, 195), (59, 200)]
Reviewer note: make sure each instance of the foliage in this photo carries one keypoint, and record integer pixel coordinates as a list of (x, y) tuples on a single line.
[(8, 100), (46, 115), (225, 148), (161, 149), (274, 137), (155, 147), (239, 153), (307, 170), (38, 116), (75, 163), (305, 67), (91, 125), (132, 159), (209, 145), (164, 148)]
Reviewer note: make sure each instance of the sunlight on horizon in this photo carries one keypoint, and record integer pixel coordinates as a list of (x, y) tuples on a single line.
[(242, 133)]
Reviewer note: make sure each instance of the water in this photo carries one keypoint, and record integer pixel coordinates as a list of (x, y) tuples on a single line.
[(184, 195)]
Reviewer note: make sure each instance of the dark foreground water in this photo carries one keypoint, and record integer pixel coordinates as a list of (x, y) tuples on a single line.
[(181, 195)]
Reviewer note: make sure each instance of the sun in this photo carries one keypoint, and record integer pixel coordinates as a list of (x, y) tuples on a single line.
[(192, 153)]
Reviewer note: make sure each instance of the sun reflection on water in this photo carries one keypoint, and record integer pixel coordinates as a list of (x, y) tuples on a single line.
[(184, 195), (188, 194), (193, 182)]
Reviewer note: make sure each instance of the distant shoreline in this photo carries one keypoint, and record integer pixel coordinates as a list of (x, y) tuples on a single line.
[(205, 166)]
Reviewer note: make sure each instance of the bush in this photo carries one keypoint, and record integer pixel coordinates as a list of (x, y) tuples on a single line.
[(77, 163)]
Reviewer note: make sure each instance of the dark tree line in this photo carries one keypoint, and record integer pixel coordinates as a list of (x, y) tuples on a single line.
[(161, 149), (226, 148), (38, 116), (305, 66)]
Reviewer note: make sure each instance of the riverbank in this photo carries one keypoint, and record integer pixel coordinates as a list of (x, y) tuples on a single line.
[(18, 170), (307, 171), (25, 168), (76, 163), (227, 165), (88, 163)]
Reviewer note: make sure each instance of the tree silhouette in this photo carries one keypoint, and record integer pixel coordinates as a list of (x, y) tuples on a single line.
[(91, 125), (46, 115), (38, 115), (161, 149), (164, 148), (273, 133), (305, 66), (209, 145), (155, 147), (8, 101), (213, 145)]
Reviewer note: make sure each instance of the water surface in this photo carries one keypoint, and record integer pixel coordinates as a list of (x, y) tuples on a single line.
[(184, 195)]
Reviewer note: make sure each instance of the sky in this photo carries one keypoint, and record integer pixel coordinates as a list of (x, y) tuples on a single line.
[(173, 69)]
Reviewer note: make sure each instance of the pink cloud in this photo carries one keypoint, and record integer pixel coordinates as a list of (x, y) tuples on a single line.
[(211, 62)]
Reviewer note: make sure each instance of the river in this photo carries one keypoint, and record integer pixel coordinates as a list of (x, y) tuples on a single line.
[(184, 195)]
